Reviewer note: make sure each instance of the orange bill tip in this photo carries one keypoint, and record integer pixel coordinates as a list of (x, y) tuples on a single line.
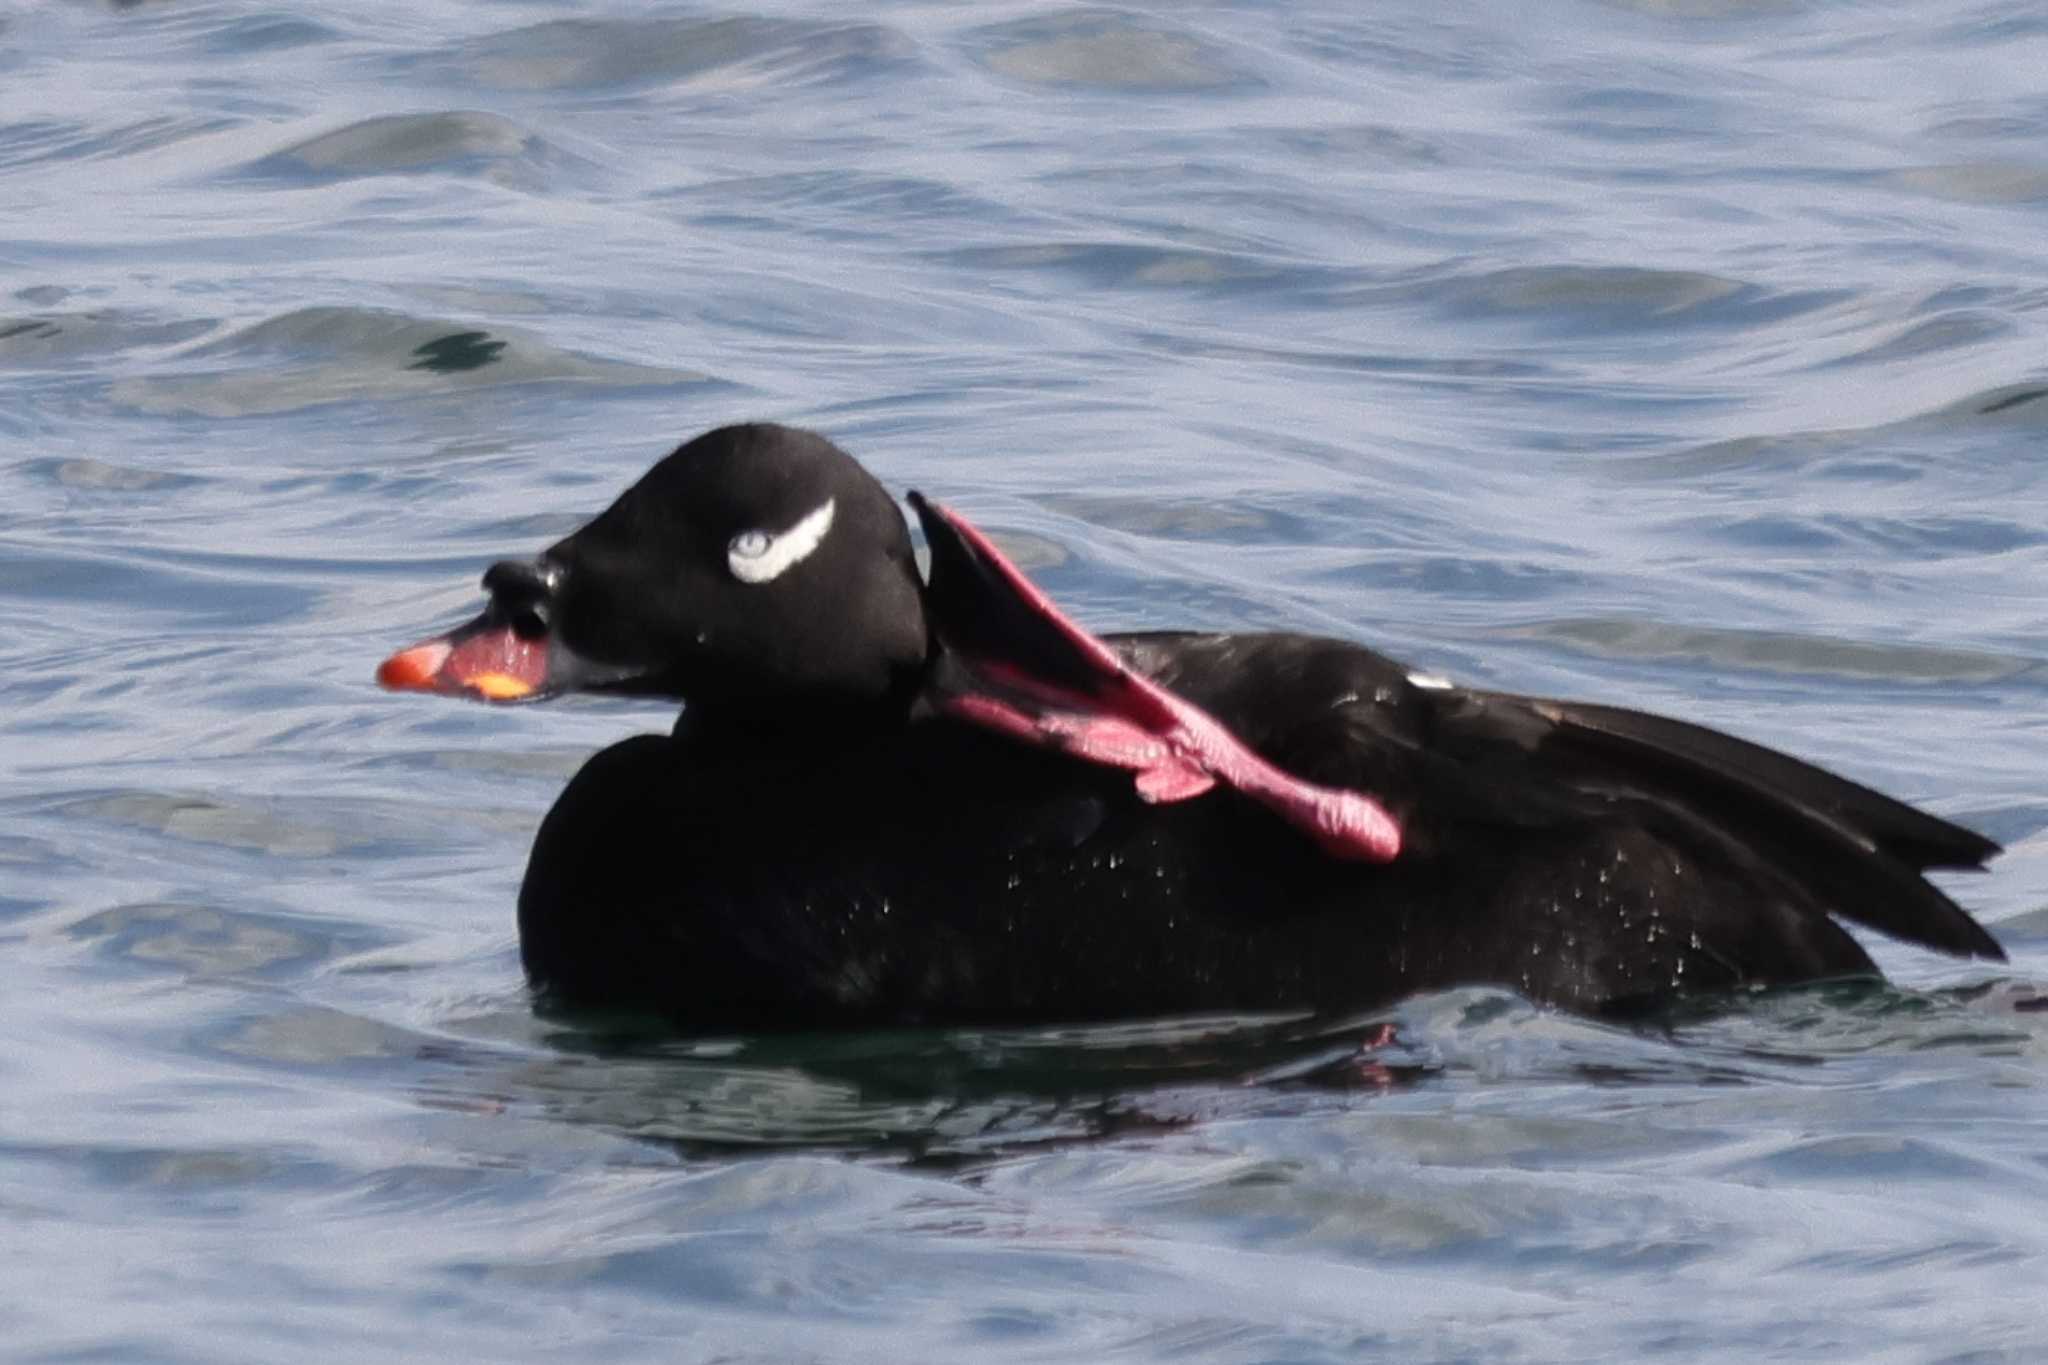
[(414, 669)]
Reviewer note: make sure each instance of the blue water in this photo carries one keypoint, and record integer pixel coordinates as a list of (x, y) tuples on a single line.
[(1691, 354)]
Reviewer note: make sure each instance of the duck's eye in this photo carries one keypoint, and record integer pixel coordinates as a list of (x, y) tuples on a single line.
[(756, 556)]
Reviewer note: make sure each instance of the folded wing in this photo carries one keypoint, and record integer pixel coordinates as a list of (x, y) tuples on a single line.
[(1856, 852)]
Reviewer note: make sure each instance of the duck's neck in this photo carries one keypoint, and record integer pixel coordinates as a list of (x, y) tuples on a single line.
[(757, 728)]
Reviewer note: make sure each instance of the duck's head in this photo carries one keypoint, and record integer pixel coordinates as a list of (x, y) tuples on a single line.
[(760, 572), (756, 564)]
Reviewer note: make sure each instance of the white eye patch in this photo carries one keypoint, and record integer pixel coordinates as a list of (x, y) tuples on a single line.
[(757, 556)]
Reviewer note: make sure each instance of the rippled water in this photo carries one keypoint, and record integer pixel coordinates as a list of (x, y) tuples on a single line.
[(1686, 353)]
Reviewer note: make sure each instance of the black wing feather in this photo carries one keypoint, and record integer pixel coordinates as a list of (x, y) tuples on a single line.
[(1858, 850)]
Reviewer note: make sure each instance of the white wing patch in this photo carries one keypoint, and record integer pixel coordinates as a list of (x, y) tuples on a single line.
[(1430, 682), (758, 556)]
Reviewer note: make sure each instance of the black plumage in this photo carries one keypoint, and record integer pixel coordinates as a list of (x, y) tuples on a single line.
[(829, 837)]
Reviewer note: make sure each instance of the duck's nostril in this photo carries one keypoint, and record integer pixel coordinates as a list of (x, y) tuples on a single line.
[(521, 595), (529, 622)]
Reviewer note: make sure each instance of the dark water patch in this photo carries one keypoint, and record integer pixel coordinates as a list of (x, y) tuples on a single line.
[(1860, 1160), (112, 579), (1960, 1253), (930, 1097), (190, 31), (1989, 27), (303, 1036), (1110, 50), (924, 333), (1928, 535), (263, 33), (1664, 112), (2006, 400), (216, 821), (54, 339), (1407, 363), (951, 1096), (2033, 924), (558, 765), (1461, 575), (453, 142), (1753, 454), (1908, 537), (2006, 406), (54, 140), (1122, 265), (1990, 127), (614, 55), (1945, 332), (202, 1182), (34, 868), (316, 356), (1212, 520), (1781, 652), (2002, 296), (1406, 479), (536, 526), (1435, 47), (1348, 146), (84, 474), (1709, 9), (301, 576), (1615, 299), (205, 941), (1837, 1023), (840, 203), (1977, 182)]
